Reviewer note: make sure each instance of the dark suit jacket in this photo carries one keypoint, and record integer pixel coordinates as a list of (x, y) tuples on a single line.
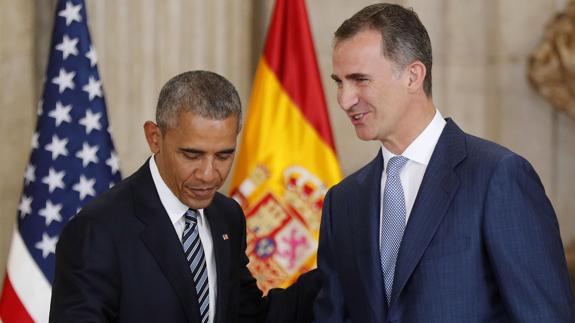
[(120, 260), (482, 244)]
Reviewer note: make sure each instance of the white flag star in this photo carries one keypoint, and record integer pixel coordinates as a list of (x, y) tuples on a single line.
[(113, 162), (92, 56), (51, 212), (61, 113), (71, 13), (85, 187), (47, 245), (94, 88), (68, 46), (91, 121), (54, 180), (29, 174), (57, 147), (64, 80), (25, 206), (88, 154), (35, 140)]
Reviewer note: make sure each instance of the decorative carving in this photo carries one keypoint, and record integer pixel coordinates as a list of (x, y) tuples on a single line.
[(552, 64)]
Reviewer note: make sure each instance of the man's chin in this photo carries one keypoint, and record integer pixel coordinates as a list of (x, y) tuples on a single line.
[(199, 203), (362, 135)]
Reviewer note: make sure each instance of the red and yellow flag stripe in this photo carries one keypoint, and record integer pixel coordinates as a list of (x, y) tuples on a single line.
[(287, 160)]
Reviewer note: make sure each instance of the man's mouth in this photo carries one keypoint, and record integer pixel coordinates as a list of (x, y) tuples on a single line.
[(357, 116), (202, 192)]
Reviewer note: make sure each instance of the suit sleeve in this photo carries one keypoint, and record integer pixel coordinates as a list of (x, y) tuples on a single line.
[(85, 287), (524, 245), (330, 304), (295, 303)]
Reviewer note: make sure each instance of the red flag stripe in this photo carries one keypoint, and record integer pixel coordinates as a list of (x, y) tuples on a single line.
[(11, 308), (292, 58)]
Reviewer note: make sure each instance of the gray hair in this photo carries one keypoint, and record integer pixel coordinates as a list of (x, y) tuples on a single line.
[(204, 93), (405, 39)]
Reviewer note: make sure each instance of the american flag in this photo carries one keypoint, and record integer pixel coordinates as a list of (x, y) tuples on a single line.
[(72, 160)]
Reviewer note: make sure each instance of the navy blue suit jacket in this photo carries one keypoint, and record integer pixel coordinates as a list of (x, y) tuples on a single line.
[(120, 260), (482, 244)]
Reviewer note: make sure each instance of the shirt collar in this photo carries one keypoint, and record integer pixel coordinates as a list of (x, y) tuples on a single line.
[(420, 149), (173, 206)]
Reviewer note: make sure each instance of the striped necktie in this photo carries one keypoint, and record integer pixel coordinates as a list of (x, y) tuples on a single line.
[(197, 261), (393, 222)]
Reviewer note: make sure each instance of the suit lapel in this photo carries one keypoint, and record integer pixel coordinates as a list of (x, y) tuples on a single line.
[(163, 243), (219, 229), (437, 189), (364, 220)]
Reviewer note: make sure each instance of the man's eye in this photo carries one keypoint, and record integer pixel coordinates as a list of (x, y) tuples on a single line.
[(192, 156), (224, 156)]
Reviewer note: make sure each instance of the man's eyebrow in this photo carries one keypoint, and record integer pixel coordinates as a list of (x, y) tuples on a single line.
[(356, 76), (198, 151), (227, 151), (352, 76), (191, 150)]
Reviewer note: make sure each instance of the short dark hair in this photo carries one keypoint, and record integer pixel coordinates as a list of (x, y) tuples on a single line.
[(405, 39), (204, 93)]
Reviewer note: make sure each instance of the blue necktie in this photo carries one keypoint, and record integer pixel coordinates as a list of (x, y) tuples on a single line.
[(197, 261), (393, 222)]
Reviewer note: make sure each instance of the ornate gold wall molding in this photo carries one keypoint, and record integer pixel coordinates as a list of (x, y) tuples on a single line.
[(552, 64)]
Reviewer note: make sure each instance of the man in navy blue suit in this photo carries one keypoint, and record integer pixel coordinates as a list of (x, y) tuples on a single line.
[(441, 226)]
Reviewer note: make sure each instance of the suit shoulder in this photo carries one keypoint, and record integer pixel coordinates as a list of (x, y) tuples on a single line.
[(226, 210), (113, 203), (487, 151), (350, 182), (487, 160), (227, 205), (225, 201)]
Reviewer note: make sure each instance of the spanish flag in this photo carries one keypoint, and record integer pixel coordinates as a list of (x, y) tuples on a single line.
[(287, 160)]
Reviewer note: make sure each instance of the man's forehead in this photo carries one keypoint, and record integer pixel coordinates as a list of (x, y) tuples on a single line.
[(372, 34), (355, 57), (198, 134), (364, 41), (191, 118)]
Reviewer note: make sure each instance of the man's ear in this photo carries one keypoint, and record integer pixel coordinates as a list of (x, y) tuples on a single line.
[(416, 72), (153, 136)]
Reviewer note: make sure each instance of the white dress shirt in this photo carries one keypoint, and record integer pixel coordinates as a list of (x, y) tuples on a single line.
[(418, 154), (176, 211)]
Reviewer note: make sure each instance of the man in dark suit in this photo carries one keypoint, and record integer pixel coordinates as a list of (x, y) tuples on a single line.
[(163, 245), (441, 226)]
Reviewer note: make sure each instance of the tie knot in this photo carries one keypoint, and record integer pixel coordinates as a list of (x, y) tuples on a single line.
[(395, 165), (191, 216)]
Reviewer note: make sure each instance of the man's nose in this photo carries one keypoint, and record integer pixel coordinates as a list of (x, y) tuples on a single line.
[(347, 97), (207, 170)]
